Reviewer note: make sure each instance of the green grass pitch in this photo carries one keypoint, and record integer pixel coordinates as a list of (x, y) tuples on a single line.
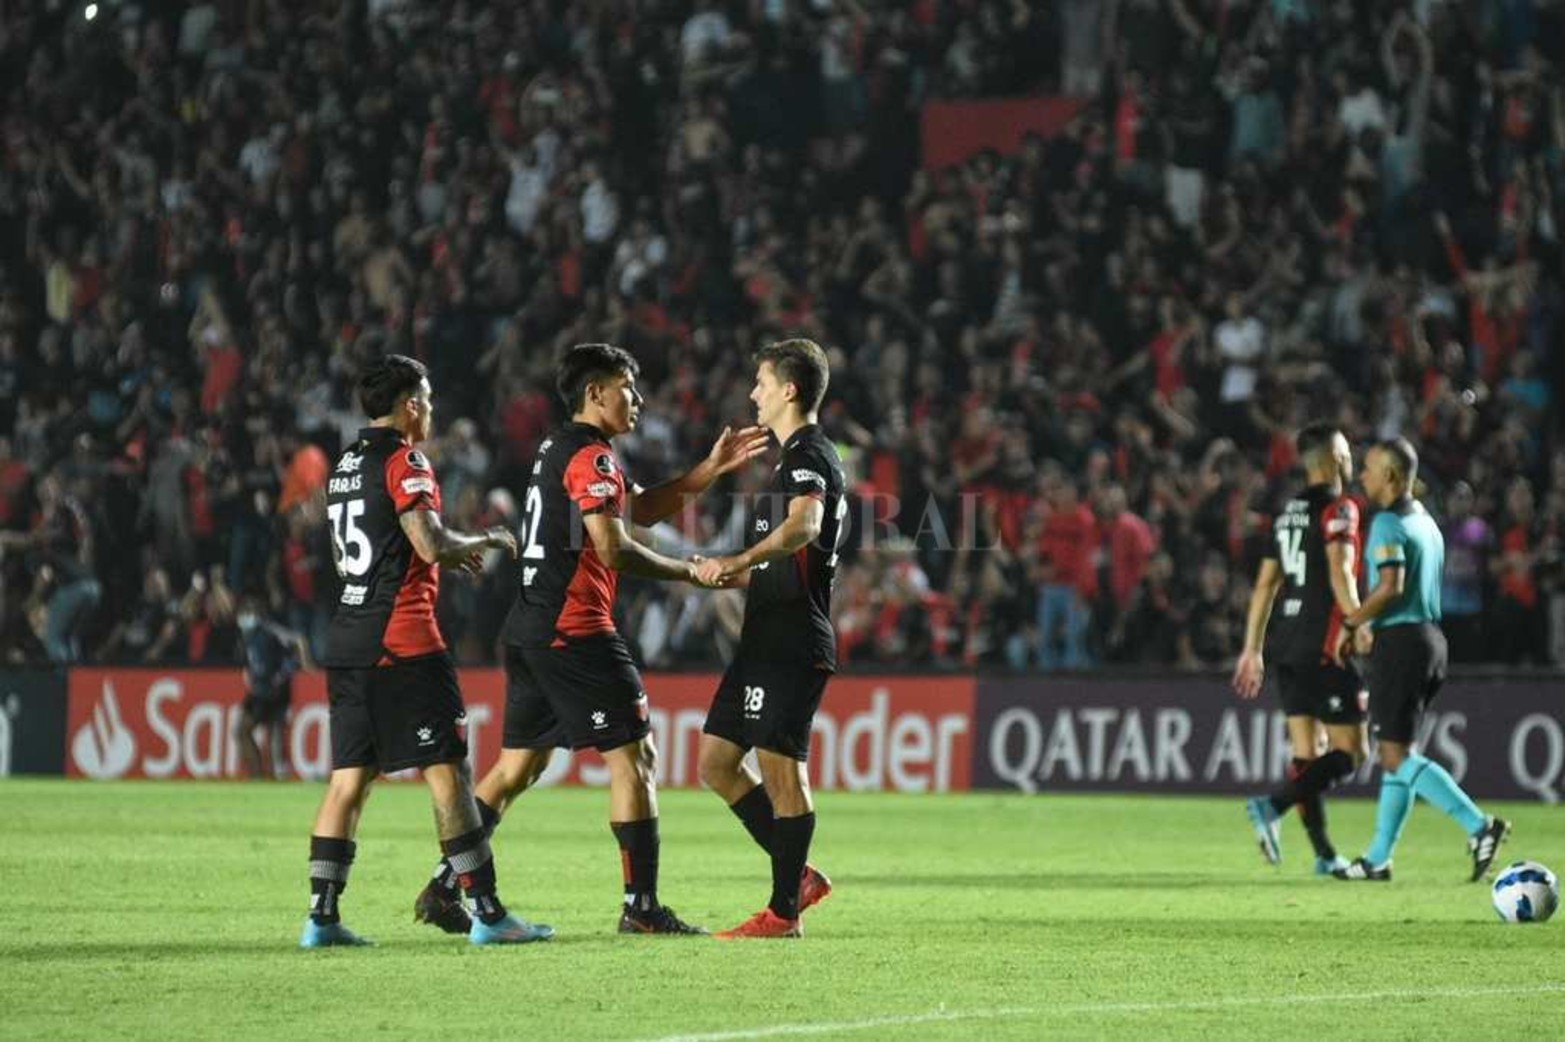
[(144, 910)]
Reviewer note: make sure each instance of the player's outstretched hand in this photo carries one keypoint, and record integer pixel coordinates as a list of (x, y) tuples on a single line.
[(502, 538), (1249, 673), (734, 448)]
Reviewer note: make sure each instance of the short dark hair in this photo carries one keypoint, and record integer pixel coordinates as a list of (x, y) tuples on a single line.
[(587, 364), (1316, 439), (1404, 458), (386, 381), (802, 363)]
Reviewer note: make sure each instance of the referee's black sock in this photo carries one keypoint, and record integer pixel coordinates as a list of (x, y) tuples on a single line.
[(445, 875), (638, 851), (330, 859), (790, 850), (473, 863), (754, 810)]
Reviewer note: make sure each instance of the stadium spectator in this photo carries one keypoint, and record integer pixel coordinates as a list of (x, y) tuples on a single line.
[(203, 238)]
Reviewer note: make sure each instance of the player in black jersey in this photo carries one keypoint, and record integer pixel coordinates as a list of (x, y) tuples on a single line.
[(787, 648), (393, 694), (1310, 573), (570, 679)]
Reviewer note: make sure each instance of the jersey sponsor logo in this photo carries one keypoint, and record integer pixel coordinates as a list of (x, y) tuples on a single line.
[(350, 463), (1338, 525), (353, 596), (413, 486), (805, 475), (602, 489), (417, 460), (1386, 552), (604, 464)]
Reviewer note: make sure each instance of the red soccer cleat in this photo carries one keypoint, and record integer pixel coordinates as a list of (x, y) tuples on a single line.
[(765, 923), (814, 888)]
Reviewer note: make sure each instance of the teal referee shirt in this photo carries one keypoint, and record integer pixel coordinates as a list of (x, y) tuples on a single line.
[(1405, 534)]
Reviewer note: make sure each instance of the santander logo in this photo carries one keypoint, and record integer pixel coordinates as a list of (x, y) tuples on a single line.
[(104, 747)]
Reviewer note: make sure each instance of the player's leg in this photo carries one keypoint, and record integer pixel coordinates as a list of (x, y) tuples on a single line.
[(724, 771), (1334, 696), (332, 850), (596, 692), (633, 818), (354, 766), (721, 759), (778, 721), (465, 843), (244, 738), (529, 722)]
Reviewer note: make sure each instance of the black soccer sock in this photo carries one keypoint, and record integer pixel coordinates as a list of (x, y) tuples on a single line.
[(790, 850), (445, 875), (473, 863), (754, 810), (1307, 780), (638, 851), (1311, 778), (330, 859)]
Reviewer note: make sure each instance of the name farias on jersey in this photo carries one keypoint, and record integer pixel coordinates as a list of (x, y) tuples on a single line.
[(349, 464)]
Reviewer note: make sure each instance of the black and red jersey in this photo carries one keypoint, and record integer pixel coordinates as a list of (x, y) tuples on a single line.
[(1305, 619), (386, 610), (564, 589), (787, 613)]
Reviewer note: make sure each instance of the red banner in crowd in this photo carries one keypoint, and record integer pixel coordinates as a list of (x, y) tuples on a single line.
[(955, 130), (899, 734)]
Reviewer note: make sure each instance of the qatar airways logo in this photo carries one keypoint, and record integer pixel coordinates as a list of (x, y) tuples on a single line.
[(104, 747)]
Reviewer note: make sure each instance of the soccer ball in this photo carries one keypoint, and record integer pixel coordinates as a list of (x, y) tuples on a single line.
[(1526, 892)]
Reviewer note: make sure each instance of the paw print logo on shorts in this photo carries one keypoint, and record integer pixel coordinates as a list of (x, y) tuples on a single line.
[(600, 720)]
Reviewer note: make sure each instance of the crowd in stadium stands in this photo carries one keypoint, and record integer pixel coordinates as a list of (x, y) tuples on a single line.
[(1064, 379)]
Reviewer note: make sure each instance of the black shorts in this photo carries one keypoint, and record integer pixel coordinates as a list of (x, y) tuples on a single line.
[(767, 705), (1407, 667), (1328, 692), (269, 707), (583, 693), (409, 714)]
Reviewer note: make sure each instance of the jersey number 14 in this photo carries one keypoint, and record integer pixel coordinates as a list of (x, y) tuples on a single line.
[(1290, 546)]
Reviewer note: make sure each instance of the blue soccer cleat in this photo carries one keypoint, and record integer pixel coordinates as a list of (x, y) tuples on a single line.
[(330, 935), (509, 930), (1330, 866), (1264, 820)]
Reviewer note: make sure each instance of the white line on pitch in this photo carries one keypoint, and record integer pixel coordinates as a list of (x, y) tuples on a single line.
[(940, 1015)]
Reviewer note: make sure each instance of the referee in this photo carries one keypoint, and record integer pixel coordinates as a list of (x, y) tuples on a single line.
[(1399, 626)]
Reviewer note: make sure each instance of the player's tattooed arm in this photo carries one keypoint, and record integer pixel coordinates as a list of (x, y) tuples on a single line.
[(732, 449), (1250, 670), (437, 544), (620, 551)]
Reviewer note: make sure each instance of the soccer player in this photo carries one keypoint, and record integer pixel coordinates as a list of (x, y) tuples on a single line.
[(1398, 625), (392, 690), (570, 678), (1311, 566), (787, 649)]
